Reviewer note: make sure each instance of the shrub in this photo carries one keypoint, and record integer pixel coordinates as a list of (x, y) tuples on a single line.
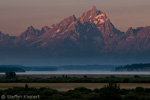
[(10, 75)]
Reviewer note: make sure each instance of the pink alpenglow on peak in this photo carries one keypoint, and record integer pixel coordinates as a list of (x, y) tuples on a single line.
[(92, 34)]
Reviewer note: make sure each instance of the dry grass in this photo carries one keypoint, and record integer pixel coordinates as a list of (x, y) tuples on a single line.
[(70, 86)]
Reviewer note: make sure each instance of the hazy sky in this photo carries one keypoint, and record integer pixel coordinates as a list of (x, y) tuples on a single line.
[(17, 15)]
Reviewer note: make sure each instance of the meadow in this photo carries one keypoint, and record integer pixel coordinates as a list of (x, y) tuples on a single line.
[(69, 82), (75, 87), (70, 86)]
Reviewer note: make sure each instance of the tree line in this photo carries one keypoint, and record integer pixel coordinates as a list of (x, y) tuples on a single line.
[(134, 67)]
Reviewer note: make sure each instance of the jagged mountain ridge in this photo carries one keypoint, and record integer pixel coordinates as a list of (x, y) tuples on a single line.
[(92, 34)]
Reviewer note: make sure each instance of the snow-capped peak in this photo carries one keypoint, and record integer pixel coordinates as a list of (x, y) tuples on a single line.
[(101, 18)]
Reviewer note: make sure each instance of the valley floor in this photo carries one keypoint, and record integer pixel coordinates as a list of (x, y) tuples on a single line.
[(70, 86)]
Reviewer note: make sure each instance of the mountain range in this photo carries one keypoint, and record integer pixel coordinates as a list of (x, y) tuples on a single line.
[(91, 35)]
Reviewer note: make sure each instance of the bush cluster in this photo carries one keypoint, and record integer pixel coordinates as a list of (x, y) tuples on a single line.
[(111, 91)]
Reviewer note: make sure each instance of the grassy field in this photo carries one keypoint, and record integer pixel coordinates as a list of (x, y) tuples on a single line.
[(80, 76), (74, 75), (70, 86)]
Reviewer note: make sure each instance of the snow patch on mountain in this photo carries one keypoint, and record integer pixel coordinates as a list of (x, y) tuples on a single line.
[(58, 30), (27, 38), (100, 19)]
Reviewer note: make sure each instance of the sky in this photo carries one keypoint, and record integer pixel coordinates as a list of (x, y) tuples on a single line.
[(17, 15)]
